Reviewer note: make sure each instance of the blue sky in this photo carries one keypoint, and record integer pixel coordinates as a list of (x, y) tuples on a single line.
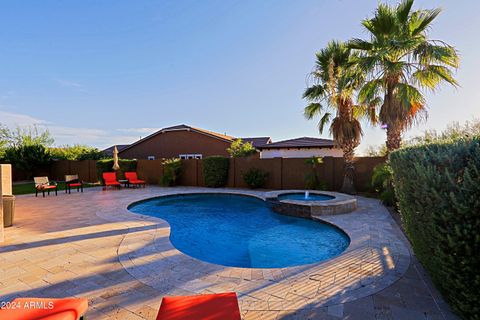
[(107, 72)]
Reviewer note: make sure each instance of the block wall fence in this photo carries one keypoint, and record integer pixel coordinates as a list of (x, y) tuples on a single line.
[(284, 173)]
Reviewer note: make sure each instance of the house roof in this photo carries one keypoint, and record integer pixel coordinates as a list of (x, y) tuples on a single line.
[(303, 142), (257, 141), (109, 150), (183, 127)]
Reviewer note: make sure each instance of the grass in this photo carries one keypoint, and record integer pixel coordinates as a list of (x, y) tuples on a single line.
[(27, 188)]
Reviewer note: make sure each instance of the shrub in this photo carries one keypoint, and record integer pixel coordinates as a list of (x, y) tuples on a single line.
[(77, 152), (28, 157), (382, 183), (106, 165), (438, 191), (172, 169), (255, 178), (240, 149), (312, 180), (215, 171)]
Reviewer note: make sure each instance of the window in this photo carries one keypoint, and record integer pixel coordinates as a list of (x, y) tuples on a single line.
[(190, 156), (151, 157)]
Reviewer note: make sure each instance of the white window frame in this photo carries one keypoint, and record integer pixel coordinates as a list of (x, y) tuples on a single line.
[(188, 156), (151, 157)]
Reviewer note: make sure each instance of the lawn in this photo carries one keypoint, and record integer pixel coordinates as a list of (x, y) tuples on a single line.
[(26, 188)]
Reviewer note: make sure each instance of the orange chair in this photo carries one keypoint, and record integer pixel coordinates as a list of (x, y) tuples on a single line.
[(110, 179), (133, 179), (222, 306), (44, 309)]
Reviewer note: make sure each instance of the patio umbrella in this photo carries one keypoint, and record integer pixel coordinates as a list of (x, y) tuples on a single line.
[(115, 159)]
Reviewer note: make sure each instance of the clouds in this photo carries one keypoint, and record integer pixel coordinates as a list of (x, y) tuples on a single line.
[(100, 138), (70, 84)]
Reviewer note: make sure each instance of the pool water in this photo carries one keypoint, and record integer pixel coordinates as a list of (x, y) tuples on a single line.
[(301, 197), (242, 231)]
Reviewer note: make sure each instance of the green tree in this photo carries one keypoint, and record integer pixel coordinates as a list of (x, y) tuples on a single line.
[(401, 61), (240, 149), (77, 152), (334, 85)]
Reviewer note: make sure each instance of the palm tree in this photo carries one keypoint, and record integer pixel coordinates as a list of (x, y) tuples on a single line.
[(334, 85), (401, 61)]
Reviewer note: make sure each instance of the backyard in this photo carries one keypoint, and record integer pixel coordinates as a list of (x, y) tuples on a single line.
[(106, 213)]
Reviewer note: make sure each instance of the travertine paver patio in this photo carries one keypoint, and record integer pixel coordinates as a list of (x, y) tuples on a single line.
[(90, 245)]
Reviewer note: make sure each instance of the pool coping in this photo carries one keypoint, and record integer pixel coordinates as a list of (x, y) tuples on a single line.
[(376, 257)]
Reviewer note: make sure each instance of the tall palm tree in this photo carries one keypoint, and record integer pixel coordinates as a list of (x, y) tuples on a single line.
[(334, 85), (402, 61)]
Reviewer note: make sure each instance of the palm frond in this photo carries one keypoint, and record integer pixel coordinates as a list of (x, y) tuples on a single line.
[(427, 53), (431, 76), (370, 90), (403, 10), (420, 20), (314, 92), (324, 121), (312, 110)]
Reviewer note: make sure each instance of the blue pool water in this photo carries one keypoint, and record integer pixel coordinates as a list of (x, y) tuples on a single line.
[(301, 196), (241, 231)]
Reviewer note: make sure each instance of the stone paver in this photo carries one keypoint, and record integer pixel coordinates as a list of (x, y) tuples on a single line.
[(90, 245)]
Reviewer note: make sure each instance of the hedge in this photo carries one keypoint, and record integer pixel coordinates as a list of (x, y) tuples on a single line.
[(215, 171), (438, 191), (106, 165)]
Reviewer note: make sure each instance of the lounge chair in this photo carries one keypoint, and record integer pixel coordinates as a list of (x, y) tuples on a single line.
[(72, 180), (222, 306), (45, 309), (132, 179), (42, 184), (110, 179)]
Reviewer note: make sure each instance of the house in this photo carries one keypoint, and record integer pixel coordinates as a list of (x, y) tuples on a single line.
[(183, 142), (304, 147)]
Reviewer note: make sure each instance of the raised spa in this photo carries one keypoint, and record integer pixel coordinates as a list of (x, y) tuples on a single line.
[(242, 231)]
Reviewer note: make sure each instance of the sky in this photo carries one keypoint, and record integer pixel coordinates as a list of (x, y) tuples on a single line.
[(112, 71)]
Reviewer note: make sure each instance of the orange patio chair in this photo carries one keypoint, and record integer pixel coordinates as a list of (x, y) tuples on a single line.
[(110, 179), (132, 178), (222, 306), (44, 309), (43, 184)]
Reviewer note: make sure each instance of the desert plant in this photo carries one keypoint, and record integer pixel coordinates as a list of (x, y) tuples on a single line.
[(172, 169), (438, 192), (401, 60), (255, 178), (238, 148), (382, 183), (215, 171)]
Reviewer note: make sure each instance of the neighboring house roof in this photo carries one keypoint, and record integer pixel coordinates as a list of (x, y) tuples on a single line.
[(257, 141), (109, 150), (183, 127), (303, 142)]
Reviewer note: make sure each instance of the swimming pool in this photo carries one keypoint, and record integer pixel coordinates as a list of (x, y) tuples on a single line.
[(302, 197), (242, 231)]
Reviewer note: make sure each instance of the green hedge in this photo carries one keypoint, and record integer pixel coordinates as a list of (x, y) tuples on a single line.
[(438, 191), (255, 178), (215, 171), (106, 165)]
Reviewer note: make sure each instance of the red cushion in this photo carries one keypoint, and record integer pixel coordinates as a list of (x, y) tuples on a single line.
[(131, 176), (109, 176), (136, 181), (76, 184), (44, 187), (222, 306), (112, 183), (44, 309)]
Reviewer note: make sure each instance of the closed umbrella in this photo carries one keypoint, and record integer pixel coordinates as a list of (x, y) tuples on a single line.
[(115, 159)]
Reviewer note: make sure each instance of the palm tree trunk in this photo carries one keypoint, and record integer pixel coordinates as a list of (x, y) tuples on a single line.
[(349, 169), (394, 138)]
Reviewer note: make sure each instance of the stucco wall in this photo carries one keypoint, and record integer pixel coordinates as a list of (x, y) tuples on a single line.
[(300, 153), (173, 143)]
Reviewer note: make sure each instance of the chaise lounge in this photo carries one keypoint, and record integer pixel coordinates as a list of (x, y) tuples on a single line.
[(132, 179), (110, 179)]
